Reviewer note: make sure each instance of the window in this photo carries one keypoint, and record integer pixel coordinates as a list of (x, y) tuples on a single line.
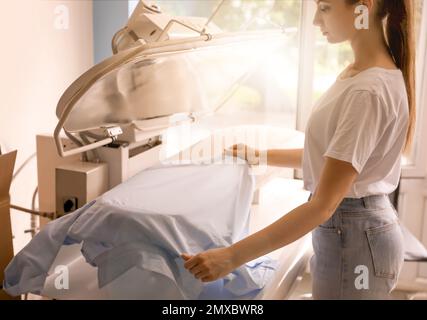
[(418, 17), (420, 20), (277, 90), (236, 15)]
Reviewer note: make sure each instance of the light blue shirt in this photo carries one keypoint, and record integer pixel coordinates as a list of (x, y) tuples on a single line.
[(148, 221)]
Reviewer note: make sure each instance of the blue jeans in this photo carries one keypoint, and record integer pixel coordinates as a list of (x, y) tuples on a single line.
[(358, 252)]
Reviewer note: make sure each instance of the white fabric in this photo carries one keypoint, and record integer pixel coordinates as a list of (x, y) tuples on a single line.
[(147, 222), (361, 120)]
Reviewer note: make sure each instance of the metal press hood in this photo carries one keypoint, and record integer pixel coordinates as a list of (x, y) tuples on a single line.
[(150, 81)]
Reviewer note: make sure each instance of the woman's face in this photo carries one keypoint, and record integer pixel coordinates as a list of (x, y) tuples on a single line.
[(336, 19)]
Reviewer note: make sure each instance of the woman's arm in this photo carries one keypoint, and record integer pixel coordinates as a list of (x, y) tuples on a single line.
[(289, 158), (336, 179)]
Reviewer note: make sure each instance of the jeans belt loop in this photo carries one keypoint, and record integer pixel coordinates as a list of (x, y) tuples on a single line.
[(365, 202)]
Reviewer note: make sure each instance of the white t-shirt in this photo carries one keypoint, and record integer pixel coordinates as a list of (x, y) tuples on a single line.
[(362, 120)]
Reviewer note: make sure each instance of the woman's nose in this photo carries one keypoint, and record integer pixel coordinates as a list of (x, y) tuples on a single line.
[(317, 20)]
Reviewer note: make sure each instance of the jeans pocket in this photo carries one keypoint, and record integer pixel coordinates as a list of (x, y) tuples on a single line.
[(386, 246), (328, 225)]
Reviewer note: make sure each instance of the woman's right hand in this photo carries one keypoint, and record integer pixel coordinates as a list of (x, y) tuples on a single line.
[(244, 152)]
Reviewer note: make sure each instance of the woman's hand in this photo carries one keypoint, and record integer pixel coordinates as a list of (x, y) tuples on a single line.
[(244, 152), (211, 264)]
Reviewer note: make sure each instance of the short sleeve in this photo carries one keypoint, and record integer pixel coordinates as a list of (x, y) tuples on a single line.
[(362, 121)]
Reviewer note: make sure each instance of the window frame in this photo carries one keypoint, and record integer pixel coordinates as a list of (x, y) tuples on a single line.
[(417, 168), (306, 64)]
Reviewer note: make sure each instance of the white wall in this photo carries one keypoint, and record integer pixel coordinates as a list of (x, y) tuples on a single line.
[(39, 58)]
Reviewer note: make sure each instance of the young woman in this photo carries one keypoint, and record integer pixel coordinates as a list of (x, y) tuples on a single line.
[(351, 161)]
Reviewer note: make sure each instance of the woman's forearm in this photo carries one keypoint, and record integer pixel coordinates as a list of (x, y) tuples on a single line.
[(289, 158), (284, 231)]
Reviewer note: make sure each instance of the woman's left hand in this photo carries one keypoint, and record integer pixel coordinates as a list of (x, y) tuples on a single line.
[(211, 264)]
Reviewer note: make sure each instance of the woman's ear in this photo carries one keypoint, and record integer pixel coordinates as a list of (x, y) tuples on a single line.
[(369, 3)]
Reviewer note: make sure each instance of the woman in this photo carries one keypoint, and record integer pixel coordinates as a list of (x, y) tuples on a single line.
[(351, 161)]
